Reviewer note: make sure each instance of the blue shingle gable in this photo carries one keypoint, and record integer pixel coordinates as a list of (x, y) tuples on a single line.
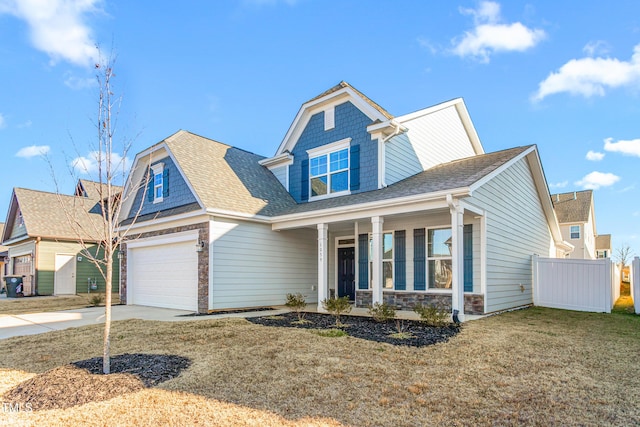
[(178, 194), (350, 122)]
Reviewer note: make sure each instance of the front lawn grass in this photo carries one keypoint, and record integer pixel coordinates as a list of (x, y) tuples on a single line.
[(530, 367), (25, 305)]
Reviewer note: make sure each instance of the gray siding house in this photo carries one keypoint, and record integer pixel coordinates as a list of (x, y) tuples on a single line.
[(355, 202)]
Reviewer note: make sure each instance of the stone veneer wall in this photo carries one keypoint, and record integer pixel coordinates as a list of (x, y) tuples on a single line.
[(473, 303), (203, 262)]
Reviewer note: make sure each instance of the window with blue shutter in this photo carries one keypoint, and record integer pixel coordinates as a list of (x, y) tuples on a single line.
[(467, 248), (165, 183), (355, 168), (304, 180), (400, 260), (363, 261), (419, 260)]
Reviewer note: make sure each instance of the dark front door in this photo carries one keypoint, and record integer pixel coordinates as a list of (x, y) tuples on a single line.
[(346, 273)]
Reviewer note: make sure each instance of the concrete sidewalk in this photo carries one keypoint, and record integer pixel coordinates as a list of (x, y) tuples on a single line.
[(13, 325)]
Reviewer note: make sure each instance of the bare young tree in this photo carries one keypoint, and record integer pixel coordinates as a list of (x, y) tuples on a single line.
[(623, 254), (95, 221)]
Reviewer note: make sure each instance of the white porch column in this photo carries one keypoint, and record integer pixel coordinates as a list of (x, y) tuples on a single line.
[(457, 257), (323, 262), (376, 259)]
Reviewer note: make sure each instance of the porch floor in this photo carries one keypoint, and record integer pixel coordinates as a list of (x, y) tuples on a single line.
[(400, 314)]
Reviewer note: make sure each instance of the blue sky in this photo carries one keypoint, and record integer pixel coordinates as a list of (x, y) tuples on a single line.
[(562, 75)]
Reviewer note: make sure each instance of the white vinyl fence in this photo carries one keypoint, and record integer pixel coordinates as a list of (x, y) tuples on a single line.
[(635, 283), (575, 284)]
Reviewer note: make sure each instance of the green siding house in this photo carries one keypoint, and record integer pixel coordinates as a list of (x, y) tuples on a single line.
[(50, 238)]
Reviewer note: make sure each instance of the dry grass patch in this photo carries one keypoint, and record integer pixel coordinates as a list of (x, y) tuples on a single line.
[(532, 367), (27, 305)]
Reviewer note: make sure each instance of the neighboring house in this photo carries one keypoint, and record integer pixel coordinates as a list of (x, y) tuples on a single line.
[(603, 246), (4, 253), (43, 245), (576, 214), (626, 276), (355, 202)]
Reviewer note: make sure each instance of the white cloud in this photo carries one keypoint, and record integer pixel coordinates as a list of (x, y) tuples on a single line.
[(598, 47), (89, 164), (3, 122), (591, 76), (559, 184), (33, 151), (490, 36), (595, 180), (57, 27), (594, 156), (26, 124), (628, 148), (78, 83)]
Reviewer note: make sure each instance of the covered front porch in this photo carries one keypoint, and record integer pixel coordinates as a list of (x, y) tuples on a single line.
[(403, 256)]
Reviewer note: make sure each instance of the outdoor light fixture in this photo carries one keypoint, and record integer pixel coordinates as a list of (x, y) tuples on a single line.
[(199, 246), (120, 254)]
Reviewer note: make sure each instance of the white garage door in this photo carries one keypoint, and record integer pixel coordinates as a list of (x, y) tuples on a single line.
[(164, 276)]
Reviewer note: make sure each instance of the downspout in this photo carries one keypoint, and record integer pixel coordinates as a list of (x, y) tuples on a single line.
[(453, 207), (34, 282)]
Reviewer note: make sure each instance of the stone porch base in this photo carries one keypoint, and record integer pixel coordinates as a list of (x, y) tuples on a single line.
[(473, 303)]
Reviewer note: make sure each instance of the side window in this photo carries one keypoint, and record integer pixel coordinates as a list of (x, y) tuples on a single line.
[(439, 266), (575, 231)]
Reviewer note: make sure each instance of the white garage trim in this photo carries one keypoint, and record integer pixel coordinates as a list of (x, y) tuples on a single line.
[(162, 271), (164, 239)]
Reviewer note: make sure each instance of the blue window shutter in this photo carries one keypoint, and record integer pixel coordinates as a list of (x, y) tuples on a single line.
[(419, 260), (363, 261), (304, 181), (400, 252), (165, 183), (150, 187), (355, 168), (467, 249)]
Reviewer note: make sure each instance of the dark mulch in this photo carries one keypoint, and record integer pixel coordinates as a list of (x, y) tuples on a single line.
[(366, 328), (151, 369), (83, 382)]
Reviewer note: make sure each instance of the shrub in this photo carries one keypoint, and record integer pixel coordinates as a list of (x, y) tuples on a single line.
[(96, 300), (382, 312), (337, 307), (433, 315), (297, 303)]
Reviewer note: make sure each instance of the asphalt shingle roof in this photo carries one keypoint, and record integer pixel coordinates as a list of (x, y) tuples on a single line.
[(59, 216), (603, 241), (93, 190), (572, 207), (228, 178)]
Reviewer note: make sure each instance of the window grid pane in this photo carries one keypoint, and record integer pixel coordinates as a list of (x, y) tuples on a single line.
[(439, 243), (339, 160)]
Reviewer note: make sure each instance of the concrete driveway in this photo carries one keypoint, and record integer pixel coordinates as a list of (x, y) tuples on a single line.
[(13, 325)]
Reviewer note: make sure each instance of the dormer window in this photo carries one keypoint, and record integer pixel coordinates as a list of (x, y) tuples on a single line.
[(157, 185), (329, 170)]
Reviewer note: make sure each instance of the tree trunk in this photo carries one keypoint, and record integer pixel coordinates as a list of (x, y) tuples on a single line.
[(106, 350)]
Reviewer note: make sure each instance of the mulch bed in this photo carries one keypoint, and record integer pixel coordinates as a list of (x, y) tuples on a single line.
[(366, 328), (83, 382)]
